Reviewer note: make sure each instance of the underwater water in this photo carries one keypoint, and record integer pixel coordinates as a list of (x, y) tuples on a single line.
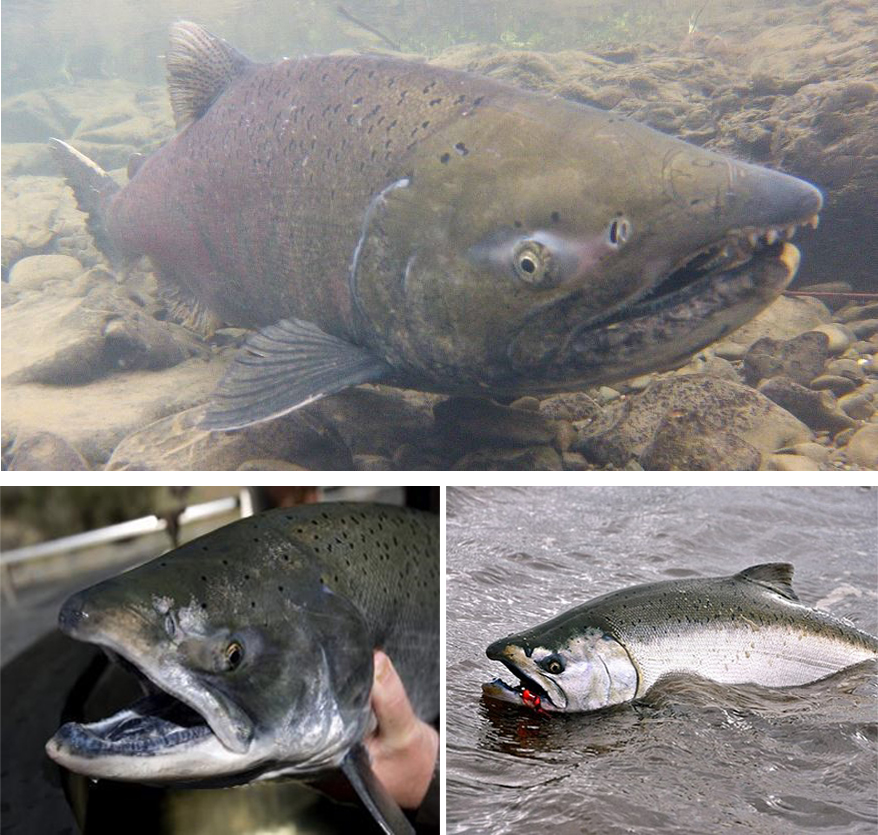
[(126, 362), (692, 756)]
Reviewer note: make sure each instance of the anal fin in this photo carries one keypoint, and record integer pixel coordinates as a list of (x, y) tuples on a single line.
[(283, 367), (383, 807)]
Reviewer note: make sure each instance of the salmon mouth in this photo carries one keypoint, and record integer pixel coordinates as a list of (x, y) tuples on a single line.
[(736, 249), (710, 293), (527, 693), (152, 725)]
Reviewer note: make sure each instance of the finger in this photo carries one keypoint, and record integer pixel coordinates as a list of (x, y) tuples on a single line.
[(389, 700)]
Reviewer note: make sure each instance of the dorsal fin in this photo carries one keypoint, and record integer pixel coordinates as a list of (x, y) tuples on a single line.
[(200, 67), (777, 576)]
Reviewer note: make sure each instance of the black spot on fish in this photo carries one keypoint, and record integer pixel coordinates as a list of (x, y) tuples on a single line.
[(517, 224), (461, 149), (425, 124), (555, 217)]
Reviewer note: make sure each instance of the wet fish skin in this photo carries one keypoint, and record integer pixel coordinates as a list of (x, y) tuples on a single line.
[(747, 628), (265, 631), (387, 220)]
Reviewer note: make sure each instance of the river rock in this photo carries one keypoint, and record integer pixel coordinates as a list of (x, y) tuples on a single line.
[(94, 417), (686, 442), (44, 451), (377, 420), (32, 117), (858, 404), (34, 210), (864, 328), (706, 404), (810, 449), (791, 463), (838, 337), (572, 406), (831, 382), (529, 458), (818, 409), (856, 312), (467, 422), (786, 317), (862, 448), (33, 272), (849, 368), (83, 339), (800, 359), (177, 443), (32, 158)]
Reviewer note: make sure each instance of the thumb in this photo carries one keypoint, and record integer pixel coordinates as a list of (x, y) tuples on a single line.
[(391, 706)]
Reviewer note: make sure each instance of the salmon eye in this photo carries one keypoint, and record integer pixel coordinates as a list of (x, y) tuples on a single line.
[(618, 231), (234, 655), (553, 665), (531, 262)]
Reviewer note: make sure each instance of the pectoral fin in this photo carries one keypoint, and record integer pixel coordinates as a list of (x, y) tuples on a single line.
[(283, 367), (375, 798)]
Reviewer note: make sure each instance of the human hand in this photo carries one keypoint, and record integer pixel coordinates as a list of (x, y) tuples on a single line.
[(403, 748)]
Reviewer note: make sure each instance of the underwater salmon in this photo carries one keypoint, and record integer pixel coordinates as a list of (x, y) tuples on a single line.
[(254, 647), (382, 220), (747, 628)]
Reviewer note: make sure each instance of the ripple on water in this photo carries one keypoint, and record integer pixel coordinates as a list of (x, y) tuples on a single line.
[(693, 757)]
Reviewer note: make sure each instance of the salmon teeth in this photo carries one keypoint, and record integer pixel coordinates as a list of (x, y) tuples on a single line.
[(790, 232), (753, 238), (770, 236), (813, 221)]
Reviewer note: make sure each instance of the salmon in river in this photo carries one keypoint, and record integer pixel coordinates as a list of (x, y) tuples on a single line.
[(379, 220), (749, 628)]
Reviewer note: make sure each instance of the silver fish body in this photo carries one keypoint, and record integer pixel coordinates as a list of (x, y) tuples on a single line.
[(747, 628), (254, 644)]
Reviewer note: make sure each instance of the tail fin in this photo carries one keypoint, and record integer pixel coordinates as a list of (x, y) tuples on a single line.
[(92, 187)]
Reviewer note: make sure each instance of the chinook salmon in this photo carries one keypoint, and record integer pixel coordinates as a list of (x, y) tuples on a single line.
[(379, 220), (254, 646), (747, 628)]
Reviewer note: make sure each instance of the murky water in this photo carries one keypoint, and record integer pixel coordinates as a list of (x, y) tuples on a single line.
[(692, 757), (116, 384)]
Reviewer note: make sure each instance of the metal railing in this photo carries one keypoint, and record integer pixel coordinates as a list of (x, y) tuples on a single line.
[(144, 526)]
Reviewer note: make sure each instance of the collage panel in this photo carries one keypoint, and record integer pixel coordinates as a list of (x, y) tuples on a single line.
[(273, 235), (661, 659), (221, 660)]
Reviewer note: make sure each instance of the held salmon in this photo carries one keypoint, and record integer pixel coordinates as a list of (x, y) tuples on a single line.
[(747, 628), (382, 220), (254, 648)]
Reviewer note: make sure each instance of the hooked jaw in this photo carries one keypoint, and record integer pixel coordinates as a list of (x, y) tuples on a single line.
[(180, 730), (710, 293), (531, 691)]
